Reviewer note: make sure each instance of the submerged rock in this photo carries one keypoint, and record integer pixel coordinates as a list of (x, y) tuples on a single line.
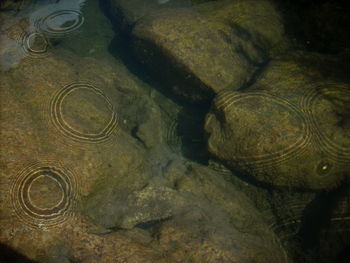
[(183, 46), (335, 227), (187, 205), (63, 127), (289, 129), (126, 13), (12, 5), (259, 23), (78, 183)]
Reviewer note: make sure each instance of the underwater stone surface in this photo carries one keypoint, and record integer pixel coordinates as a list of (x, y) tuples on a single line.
[(184, 44), (74, 173), (334, 233), (62, 129), (186, 205), (289, 129), (259, 23), (126, 13)]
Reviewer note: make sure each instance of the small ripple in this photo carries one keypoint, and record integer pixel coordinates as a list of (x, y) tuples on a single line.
[(91, 120), (172, 138), (44, 194), (315, 103), (228, 102), (59, 23), (34, 44)]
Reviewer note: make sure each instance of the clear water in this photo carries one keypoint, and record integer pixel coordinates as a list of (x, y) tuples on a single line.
[(106, 157)]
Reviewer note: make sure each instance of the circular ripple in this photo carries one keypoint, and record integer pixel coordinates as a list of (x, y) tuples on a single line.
[(172, 137), (228, 101), (44, 195), (333, 139), (60, 23), (34, 44), (83, 113)]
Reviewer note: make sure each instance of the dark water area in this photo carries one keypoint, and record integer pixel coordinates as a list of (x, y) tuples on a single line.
[(173, 131)]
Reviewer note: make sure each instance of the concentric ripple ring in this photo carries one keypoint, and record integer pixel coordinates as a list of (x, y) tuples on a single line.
[(310, 103), (67, 129), (30, 48), (60, 23), (226, 101), (46, 210)]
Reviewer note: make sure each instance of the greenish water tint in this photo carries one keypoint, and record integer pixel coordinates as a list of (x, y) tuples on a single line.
[(174, 131)]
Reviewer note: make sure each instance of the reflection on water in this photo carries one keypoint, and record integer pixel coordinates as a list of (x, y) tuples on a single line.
[(173, 131), (33, 28)]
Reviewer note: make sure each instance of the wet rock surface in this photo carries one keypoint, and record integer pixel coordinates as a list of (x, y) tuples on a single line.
[(127, 13), (285, 129), (73, 174), (60, 132), (99, 164), (181, 39), (172, 208), (184, 44)]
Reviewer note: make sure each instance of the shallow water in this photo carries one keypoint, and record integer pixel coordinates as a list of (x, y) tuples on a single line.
[(172, 131)]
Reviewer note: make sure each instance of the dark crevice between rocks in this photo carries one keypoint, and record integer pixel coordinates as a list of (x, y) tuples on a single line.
[(134, 134), (316, 218), (259, 65), (122, 47), (9, 255), (190, 130), (248, 38), (308, 243), (253, 79), (113, 229), (190, 119), (175, 80), (317, 25), (152, 224)]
